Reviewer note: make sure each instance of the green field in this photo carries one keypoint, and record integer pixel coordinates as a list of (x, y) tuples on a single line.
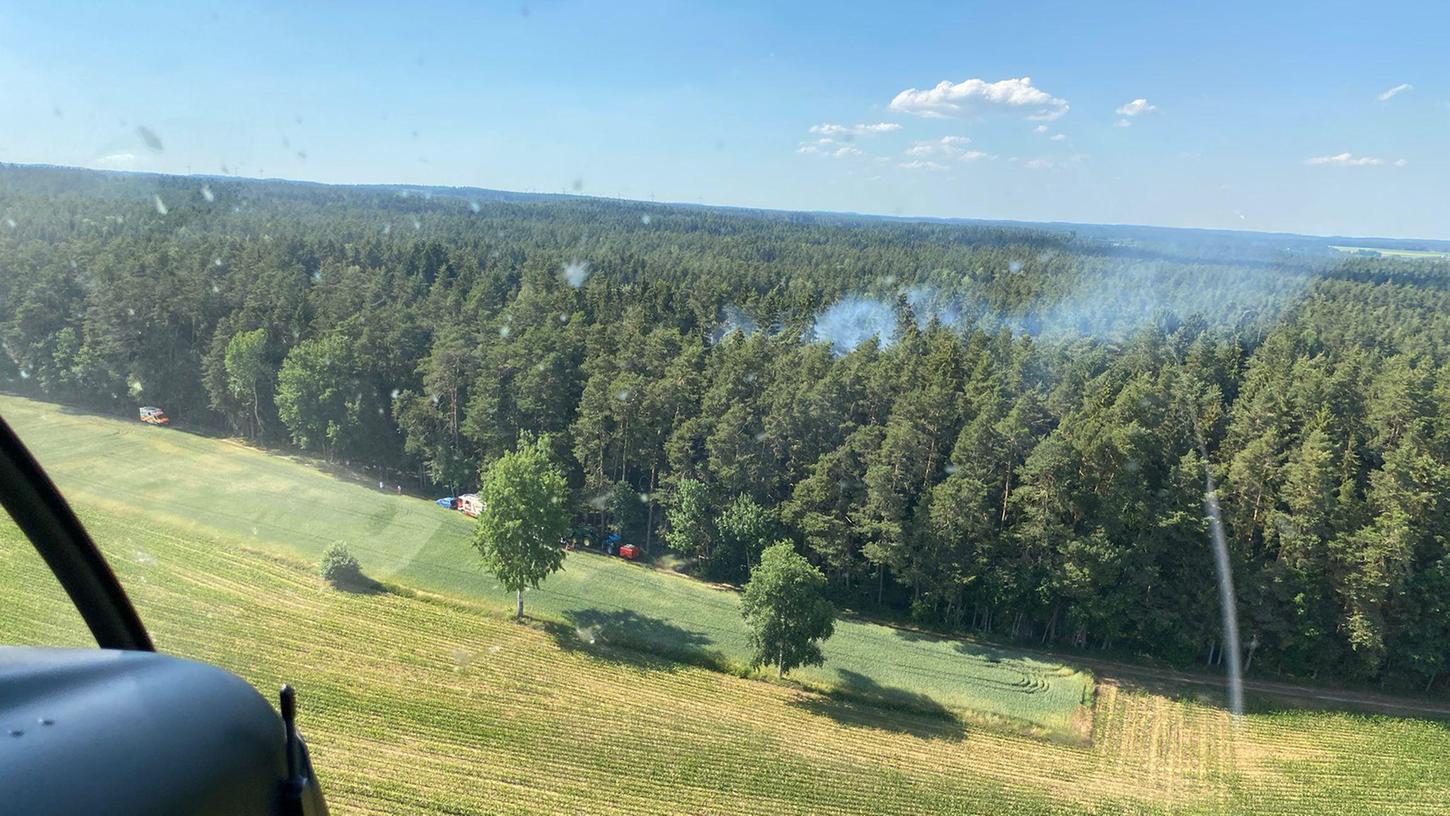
[(216, 488), (416, 704)]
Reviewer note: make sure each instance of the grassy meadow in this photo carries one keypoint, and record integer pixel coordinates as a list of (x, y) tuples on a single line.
[(418, 704), (219, 489)]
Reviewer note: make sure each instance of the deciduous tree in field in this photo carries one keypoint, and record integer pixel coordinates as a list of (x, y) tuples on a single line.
[(785, 612), (525, 514)]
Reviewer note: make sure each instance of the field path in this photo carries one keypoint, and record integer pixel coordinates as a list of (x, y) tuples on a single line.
[(1382, 703)]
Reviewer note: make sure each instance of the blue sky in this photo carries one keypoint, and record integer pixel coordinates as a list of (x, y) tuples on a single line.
[(1251, 117)]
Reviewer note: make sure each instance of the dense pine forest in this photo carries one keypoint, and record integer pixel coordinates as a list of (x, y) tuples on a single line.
[(988, 427)]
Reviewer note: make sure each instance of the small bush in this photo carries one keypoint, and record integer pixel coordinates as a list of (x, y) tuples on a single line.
[(338, 566)]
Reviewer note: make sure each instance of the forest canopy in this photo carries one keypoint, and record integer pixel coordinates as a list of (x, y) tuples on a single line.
[(978, 426)]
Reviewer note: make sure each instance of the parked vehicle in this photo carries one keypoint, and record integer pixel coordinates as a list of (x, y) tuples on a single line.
[(629, 552), (151, 415), (470, 505)]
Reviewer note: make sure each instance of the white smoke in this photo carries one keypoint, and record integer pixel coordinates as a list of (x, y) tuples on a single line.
[(853, 320), (732, 320)]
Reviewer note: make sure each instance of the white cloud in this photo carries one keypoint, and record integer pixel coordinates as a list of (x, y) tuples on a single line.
[(117, 161), (1137, 107), (1123, 123), (975, 96), (922, 165), (1057, 137), (947, 147), (827, 147), (1395, 91), (1040, 129), (1050, 163), (1400, 162), (1345, 159), (828, 129)]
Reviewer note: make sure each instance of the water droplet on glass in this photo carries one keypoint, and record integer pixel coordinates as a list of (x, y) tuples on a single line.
[(576, 272), (149, 138)]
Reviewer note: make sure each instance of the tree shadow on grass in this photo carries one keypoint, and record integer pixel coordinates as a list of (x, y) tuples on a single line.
[(358, 584), (626, 636), (861, 702)]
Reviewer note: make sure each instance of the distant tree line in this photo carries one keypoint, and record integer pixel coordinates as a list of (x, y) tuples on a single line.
[(1023, 454)]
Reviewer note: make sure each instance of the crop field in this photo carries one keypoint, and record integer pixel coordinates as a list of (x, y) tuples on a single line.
[(213, 488), (418, 704)]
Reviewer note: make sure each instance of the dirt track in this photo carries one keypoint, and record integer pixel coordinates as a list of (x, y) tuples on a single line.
[(1371, 701)]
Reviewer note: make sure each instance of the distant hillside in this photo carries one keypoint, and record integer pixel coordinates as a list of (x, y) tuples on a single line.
[(49, 179)]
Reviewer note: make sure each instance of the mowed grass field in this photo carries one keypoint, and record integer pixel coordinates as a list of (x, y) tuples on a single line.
[(419, 704), (219, 489)]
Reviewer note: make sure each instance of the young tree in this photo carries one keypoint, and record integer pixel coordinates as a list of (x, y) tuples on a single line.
[(312, 393), (785, 612), (525, 514), (692, 530), (743, 528), (247, 369)]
